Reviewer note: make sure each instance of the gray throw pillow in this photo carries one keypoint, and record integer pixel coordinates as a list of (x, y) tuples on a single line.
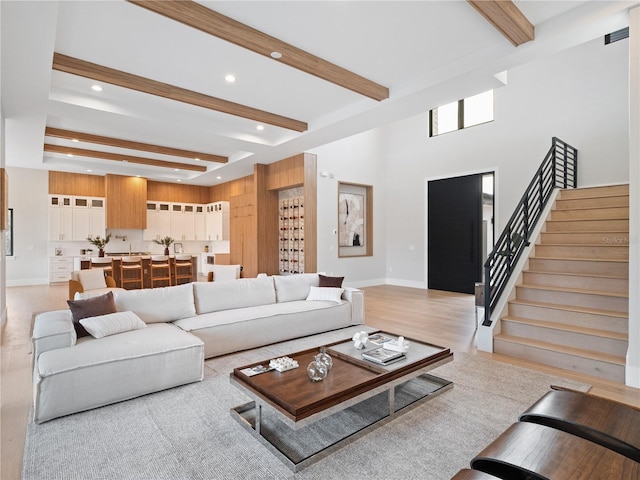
[(90, 307), (335, 282)]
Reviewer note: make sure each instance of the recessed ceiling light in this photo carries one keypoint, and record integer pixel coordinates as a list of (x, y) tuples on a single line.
[(125, 161), (230, 78), (69, 154), (276, 55), (218, 177), (176, 169), (96, 88), (178, 180), (197, 159), (75, 140), (89, 171), (137, 176), (260, 127)]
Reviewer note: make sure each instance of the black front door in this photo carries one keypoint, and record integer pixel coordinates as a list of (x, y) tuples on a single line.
[(455, 233)]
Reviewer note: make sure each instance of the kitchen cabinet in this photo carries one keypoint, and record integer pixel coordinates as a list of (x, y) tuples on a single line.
[(158, 221), (88, 217), (217, 221), (60, 269), (60, 218), (200, 223), (182, 222)]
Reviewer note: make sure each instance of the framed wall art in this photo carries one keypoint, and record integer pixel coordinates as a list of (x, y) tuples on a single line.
[(355, 220)]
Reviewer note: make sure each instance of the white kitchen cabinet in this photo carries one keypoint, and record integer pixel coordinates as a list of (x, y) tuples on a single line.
[(60, 269), (88, 217), (182, 222), (158, 221), (60, 218), (200, 223), (217, 222)]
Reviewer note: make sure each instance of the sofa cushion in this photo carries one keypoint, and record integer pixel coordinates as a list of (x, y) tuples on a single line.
[(92, 279), (155, 305), (290, 288), (244, 292), (324, 281), (90, 307), (325, 294), (105, 325)]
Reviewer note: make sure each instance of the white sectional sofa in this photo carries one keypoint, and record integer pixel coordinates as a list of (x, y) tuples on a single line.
[(183, 325)]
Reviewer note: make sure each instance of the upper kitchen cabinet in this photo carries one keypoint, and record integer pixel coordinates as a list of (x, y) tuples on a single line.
[(60, 217), (88, 217), (127, 202)]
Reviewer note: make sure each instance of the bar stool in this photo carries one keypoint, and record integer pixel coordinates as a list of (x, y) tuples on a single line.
[(160, 269), (106, 264), (182, 269), (128, 265)]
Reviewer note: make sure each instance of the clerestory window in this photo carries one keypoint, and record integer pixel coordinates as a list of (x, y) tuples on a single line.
[(464, 113)]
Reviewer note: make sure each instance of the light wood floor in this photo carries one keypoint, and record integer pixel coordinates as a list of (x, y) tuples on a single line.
[(442, 318)]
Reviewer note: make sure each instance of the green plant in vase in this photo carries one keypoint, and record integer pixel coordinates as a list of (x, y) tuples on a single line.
[(99, 242), (166, 241)]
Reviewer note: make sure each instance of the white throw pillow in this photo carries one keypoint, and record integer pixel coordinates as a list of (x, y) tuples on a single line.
[(112, 323), (325, 294), (92, 279)]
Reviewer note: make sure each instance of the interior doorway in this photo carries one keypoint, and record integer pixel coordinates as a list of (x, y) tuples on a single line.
[(460, 230)]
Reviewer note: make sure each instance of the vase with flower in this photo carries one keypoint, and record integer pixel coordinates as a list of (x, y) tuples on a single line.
[(166, 241), (99, 242)]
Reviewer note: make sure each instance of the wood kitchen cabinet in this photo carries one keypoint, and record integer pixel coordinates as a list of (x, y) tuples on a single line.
[(127, 202)]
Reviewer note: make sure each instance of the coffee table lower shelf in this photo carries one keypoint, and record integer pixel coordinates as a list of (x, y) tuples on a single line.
[(300, 447)]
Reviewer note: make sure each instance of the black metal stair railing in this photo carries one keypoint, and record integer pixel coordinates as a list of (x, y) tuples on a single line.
[(559, 169)]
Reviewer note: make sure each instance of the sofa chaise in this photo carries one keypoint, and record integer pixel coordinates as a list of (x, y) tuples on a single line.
[(158, 338)]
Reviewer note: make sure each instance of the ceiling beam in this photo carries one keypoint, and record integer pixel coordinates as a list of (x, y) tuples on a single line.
[(209, 21), (507, 19), (75, 66), (131, 145), (81, 152)]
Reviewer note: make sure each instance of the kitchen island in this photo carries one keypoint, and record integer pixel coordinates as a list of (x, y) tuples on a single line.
[(85, 263)]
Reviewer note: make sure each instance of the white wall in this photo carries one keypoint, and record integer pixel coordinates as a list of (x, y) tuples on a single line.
[(358, 159), (580, 96), (28, 196)]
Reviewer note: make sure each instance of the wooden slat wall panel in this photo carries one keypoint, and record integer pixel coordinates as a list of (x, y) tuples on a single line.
[(170, 192), (126, 202), (287, 173), (62, 183)]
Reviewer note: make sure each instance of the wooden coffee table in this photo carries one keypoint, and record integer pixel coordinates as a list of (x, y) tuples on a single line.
[(301, 421)]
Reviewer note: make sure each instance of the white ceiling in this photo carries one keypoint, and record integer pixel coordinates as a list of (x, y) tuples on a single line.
[(426, 52)]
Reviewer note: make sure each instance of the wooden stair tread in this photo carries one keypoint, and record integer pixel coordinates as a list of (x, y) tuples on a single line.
[(572, 259), (601, 357), (586, 219), (574, 290), (589, 275), (569, 209), (583, 244), (570, 308), (569, 328)]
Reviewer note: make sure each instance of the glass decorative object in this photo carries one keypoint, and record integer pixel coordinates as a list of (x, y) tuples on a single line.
[(317, 371), (324, 357)]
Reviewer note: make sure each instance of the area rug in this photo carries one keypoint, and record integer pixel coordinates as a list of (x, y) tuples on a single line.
[(188, 433)]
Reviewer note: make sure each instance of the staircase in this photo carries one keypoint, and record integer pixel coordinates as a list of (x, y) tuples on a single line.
[(571, 309)]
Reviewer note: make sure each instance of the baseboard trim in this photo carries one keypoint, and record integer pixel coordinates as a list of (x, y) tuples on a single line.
[(24, 282)]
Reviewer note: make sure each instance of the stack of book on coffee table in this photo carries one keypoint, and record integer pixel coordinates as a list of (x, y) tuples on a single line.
[(383, 356)]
